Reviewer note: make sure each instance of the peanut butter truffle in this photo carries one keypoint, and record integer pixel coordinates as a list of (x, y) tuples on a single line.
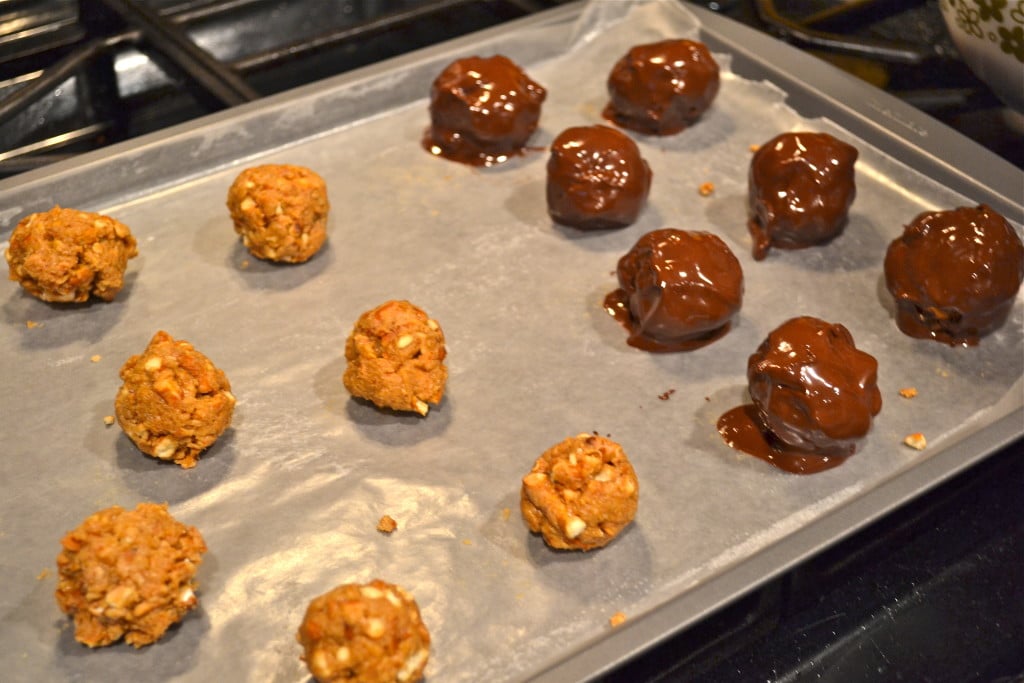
[(678, 290), (128, 573), (800, 188), (174, 402), (483, 111), (395, 357), (814, 395), (955, 274), (66, 255), (596, 178), (580, 493), (280, 211), (370, 633), (661, 88)]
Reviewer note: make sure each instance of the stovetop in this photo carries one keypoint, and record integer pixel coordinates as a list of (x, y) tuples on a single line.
[(932, 592)]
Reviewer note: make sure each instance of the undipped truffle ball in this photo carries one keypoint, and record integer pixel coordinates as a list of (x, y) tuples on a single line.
[(174, 402), (280, 211), (483, 110), (580, 493), (128, 573), (678, 290), (800, 188), (955, 274), (66, 255), (395, 357), (370, 633), (661, 88), (596, 178)]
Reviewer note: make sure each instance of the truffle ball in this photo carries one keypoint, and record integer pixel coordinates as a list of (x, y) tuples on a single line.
[(955, 274), (580, 493), (483, 110), (65, 255), (370, 633), (661, 88), (395, 357), (813, 390), (800, 188), (596, 178), (678, 290), (280, 211), (128, 573), (174, 402)]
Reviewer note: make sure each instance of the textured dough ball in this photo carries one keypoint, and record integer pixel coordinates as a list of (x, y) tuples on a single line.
[(174, 402), (280, 211), (396, 357), (128, 573), (66, 255), (580, 493), (370, 633)]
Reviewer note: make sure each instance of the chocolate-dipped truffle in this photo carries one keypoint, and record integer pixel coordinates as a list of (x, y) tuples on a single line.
[(954, 274), (678, 290), (596, 178), (661, 88), (482, 111), (814, 396), (800, 190)]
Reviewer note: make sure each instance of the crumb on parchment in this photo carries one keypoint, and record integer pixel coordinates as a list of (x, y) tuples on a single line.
[(916, 441), (387, 524), (706, 189), (108, 420), (617, 619), (908, 392)]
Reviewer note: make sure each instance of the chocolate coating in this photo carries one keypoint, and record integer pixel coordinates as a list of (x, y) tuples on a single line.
[(954, 274), (661, 88), (679, 290), (814, 396), (800, 189), (596, 178), (483, 110)]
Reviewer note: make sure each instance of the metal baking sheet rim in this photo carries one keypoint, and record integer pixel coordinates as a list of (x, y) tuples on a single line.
[(887, 123)]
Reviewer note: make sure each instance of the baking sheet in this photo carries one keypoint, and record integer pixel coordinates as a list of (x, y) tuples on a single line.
[(289, 498)]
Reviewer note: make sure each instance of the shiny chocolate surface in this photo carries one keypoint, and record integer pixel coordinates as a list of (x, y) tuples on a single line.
[(483, 111), (596, 178), (800, 188), (954, 274)]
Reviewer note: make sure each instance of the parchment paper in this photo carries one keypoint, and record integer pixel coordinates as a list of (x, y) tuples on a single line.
[(289, 498)]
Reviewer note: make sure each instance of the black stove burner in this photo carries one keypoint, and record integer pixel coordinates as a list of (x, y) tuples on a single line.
[(79, 75)]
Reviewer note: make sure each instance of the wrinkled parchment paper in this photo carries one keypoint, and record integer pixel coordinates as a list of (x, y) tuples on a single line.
[(289, 498)]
